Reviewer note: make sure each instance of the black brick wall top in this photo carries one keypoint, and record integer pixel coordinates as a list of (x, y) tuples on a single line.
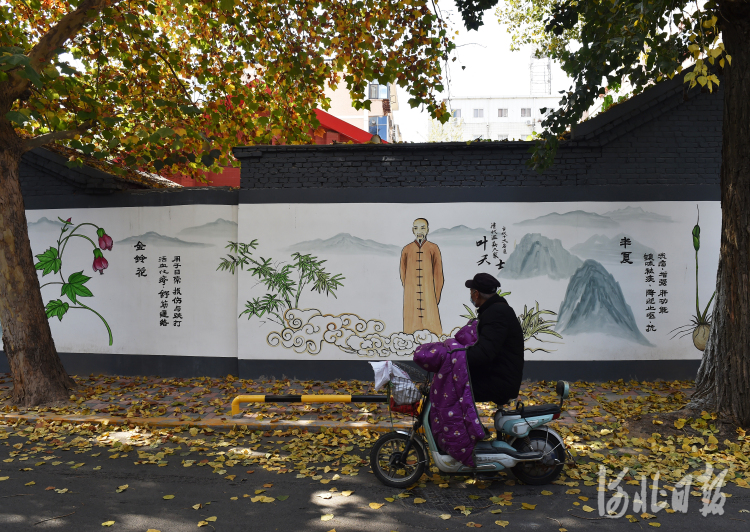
[(664, 136)]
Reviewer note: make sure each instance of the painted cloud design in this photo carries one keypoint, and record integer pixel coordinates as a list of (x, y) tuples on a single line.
[(307, 330)]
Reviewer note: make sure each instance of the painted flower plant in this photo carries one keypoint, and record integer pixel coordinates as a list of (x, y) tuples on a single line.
[(74, 287)]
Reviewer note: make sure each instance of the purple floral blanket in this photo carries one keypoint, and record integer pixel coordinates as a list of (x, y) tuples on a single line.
[(454, 419)]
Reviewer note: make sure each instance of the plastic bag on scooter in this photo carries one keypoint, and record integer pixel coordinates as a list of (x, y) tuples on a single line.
[(403, 390)]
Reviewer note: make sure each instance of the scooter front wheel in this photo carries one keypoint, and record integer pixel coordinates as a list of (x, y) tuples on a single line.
[(391, 467), (542, 471)]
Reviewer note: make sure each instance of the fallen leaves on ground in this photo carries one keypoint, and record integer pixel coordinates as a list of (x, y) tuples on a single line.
[(326, 517), (598, 436), (376, 505)]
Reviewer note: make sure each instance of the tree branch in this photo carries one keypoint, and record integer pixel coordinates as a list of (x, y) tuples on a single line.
[(41, 140), (68, 26), (176, 77)]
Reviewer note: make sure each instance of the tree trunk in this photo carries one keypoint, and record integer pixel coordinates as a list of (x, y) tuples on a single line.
[(723, 382), (38, 375)]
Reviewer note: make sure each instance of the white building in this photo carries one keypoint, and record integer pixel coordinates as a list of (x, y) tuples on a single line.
[(508, 117), (501, 117), (378, 120)]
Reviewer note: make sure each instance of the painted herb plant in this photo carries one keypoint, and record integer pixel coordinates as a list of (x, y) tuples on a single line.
[(700, 323), (284, 290), (75, 286), (532, 323)]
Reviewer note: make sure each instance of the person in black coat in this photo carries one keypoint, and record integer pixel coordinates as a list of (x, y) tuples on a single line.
[(496, 359)]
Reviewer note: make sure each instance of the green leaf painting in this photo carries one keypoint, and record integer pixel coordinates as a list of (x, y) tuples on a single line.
[(75, 288), (285, 284), (56, 307), (49, 261)]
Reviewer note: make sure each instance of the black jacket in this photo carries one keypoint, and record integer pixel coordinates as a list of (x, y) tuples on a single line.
[(496, 360)]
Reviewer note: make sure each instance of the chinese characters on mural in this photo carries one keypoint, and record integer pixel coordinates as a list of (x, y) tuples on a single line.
[(140, 259), (659, 293), (177, 291), (164, 292), (625, 242), (493, 249)]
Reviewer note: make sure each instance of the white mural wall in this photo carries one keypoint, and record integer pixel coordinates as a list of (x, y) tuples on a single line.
[(159, 293), (589, 281)]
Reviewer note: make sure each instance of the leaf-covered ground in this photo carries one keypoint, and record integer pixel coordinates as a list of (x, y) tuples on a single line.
[(616, 425)]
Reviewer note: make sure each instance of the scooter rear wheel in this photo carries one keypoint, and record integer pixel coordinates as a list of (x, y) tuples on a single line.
[(541, 471), (388, 466)]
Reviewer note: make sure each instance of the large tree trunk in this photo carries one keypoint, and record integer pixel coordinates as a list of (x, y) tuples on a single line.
[(723, 382), (38, 375)]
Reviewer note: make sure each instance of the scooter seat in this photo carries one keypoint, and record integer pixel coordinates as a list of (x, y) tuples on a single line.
[(534, 410)]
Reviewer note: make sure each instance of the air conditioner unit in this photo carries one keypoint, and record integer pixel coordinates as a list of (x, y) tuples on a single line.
[(529, 122)]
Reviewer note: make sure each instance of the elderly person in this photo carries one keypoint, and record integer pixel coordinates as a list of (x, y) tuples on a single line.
[(496, 359)]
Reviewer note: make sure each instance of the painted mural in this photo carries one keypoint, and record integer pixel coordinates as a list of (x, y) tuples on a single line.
[(137, 280), (588, 280)]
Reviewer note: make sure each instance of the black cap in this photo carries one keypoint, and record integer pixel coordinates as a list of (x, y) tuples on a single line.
[(483, 283)]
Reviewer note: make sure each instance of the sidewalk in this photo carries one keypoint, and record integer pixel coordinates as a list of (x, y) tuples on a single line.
[(206, 402)]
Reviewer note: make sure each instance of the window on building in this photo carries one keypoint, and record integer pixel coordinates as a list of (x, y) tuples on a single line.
[(502, 137), (478, 113), (457, 113), (378, 125), (502, 113), (379, 92), (526, 112)]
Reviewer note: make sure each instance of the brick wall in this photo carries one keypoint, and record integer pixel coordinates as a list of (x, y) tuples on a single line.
[(657, 138)]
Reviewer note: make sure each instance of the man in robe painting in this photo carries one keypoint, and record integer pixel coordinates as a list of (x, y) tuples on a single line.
[(422, 277)]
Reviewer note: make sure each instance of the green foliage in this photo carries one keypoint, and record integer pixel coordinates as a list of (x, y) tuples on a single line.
[(48, 262), (601, 44), (284, 290), (56, 307), (172, 86), (526, 21), (75, 288), (533, 324)]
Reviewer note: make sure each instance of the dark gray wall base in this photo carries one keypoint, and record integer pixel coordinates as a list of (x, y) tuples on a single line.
[(162, 365), (589, 370), (181, 366), (603, 370)]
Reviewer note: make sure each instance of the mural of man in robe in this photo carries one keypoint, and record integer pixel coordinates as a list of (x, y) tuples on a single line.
[(422, 278)]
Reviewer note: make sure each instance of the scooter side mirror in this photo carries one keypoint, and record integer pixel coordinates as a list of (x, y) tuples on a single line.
[(563, 390)]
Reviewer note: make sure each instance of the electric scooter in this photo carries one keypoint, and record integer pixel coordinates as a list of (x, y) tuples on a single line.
[(534, 452)]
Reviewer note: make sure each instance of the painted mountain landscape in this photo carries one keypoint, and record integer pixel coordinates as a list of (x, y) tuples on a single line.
[(537, 255), (219, 228), (344, 243), (572, 219), (458, 235), (154, 238), (594, 303)]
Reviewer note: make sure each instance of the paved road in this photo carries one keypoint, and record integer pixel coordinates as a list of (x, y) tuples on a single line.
[(91, 499)]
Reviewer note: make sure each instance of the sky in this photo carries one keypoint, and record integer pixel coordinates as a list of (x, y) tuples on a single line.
[(491, 70)]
